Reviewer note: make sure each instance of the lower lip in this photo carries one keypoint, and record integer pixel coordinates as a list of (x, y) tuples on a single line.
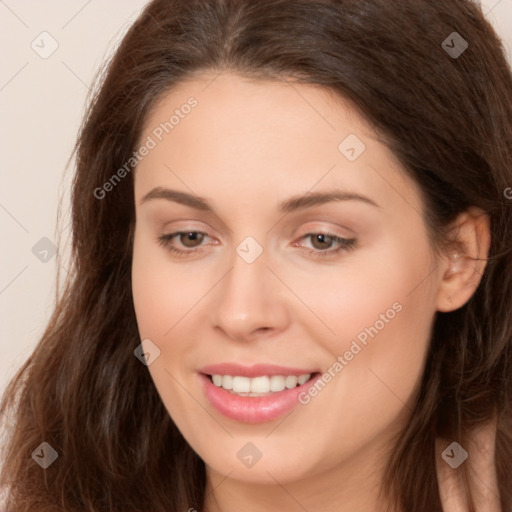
[(254, 409)]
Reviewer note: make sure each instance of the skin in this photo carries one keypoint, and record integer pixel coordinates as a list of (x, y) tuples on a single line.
[(247, 146)]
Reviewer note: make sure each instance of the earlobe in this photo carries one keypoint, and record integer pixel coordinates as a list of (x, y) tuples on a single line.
[(463, 269)]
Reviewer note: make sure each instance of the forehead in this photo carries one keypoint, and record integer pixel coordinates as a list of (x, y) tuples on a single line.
[(255, 136), (279, 108)]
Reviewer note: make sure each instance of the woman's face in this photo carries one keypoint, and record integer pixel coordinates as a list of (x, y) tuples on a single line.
[(276, 281)]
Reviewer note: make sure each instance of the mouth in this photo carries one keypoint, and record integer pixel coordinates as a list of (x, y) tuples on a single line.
[(255, 394)]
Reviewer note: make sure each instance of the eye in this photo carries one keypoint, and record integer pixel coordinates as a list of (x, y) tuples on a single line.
[(322, 243), (190, 239)]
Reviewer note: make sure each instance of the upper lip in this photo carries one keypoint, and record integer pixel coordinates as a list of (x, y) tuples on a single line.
[(255, 370)]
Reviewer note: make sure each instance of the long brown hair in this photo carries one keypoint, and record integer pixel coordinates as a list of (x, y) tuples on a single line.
[(447, 118)]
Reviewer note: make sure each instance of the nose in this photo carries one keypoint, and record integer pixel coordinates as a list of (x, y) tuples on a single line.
[(250, 301)]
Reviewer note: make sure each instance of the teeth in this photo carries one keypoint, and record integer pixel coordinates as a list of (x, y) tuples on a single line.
[(277, 383), (291, 381), (257, 386), (303, 379), (241, 384), (227, 382), (260, 385)]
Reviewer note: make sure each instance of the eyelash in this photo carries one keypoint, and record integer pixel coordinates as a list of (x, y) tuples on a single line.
[(346, 244)]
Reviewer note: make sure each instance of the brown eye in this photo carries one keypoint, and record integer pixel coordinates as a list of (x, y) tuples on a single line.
[(322, 245), (324, 241), (191, 239), (183, 243)]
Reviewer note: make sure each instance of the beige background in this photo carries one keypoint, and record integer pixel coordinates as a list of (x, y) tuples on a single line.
[(41, 104)]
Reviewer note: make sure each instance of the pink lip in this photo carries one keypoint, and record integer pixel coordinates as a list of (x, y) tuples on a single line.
[(256, 370), (257, 409)]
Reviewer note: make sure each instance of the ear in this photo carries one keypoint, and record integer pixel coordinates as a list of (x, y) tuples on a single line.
[(462, 269)]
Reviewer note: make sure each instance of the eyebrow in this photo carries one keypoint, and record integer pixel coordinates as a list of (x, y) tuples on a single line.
[(292, 204)]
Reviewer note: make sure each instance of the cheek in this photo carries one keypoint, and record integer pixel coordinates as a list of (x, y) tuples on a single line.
[(378, 374), (382, 315), (163, 293), (378, 292)]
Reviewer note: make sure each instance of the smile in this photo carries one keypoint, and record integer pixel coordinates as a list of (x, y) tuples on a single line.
[(255, 394)]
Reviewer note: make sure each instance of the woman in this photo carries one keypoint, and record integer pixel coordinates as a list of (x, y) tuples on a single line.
[(292, 269)]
